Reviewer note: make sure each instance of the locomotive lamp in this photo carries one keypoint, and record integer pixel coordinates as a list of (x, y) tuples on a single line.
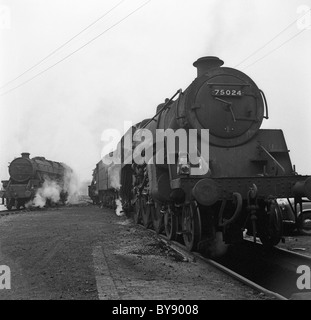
[(183, 167), (228, 176)]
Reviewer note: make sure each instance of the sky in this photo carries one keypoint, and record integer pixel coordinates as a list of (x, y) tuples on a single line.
[(128, 62)]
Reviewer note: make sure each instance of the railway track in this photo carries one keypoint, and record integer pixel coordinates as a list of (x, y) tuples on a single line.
[(21, 211), (6, 212), (236, 274), (191, 256), (12, 212), (272, 272), (274, 269)]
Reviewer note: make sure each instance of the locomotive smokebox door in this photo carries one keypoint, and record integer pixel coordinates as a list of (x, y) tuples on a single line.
[(225, 101), (21, 169)]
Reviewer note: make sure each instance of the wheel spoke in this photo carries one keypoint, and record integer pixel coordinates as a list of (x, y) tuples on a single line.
[(137, 212), (272, 230), (170, 224), (192, 227), (157, 219), (145, 212)]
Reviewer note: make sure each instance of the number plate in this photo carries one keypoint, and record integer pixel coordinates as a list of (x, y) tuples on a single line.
[(227, 93)]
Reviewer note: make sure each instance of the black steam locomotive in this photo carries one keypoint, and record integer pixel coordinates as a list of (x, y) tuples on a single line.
[(27, 176), (248, 168), (102, 189)]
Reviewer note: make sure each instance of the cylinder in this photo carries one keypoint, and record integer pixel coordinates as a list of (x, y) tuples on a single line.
[(206, 192), (303, 188)]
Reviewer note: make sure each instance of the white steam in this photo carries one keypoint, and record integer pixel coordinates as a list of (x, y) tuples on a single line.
[(72, 186), (52, 190), (119, 209), (218, 248), (114, 174)]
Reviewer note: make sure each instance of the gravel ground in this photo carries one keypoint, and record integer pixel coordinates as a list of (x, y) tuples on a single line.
[(84, 252)]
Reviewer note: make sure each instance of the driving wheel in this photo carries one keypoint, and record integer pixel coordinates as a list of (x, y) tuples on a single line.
[(272, 230), (192, 226), (157, 218), (170, 224), (137, 211), (145, 212)]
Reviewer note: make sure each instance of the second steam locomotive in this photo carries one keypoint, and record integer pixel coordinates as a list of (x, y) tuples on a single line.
[(249, 168), (27, 176)]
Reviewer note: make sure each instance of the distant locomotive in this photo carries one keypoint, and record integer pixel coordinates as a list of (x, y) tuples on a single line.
[(28, 175), (249, 167), (105, 184)]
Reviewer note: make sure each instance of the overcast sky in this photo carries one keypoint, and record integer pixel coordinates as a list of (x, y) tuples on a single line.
[(125, 73)]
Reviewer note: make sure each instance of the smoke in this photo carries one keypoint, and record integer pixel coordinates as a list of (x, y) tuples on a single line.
[(71, 186), (119, 209), (226, 27), (53, 191), (218, 248), (84, 187), (114, 172), (50, 190)]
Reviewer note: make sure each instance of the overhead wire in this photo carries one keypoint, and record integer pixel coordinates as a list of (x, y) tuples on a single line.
[(120, 21), (63, 45), (72, 53), (271, 40), (270, 52)]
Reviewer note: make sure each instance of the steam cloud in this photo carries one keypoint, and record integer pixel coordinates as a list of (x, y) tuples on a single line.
[(114, 176), (72, 186), (218, 248), (51, 190), (114, 172), (119, 209)]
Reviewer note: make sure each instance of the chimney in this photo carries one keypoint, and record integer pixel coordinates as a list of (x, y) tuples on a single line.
[(25, 155), (204, 64)]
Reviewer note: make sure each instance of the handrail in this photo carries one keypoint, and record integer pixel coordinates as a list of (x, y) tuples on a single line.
[(162, 109), (265, 103)]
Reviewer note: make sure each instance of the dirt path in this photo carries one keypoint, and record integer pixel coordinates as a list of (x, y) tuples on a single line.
[(85, 252)]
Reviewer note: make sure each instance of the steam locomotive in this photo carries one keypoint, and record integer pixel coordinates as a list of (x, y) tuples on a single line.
[(248, 168), (27, 176), (105, 185)]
